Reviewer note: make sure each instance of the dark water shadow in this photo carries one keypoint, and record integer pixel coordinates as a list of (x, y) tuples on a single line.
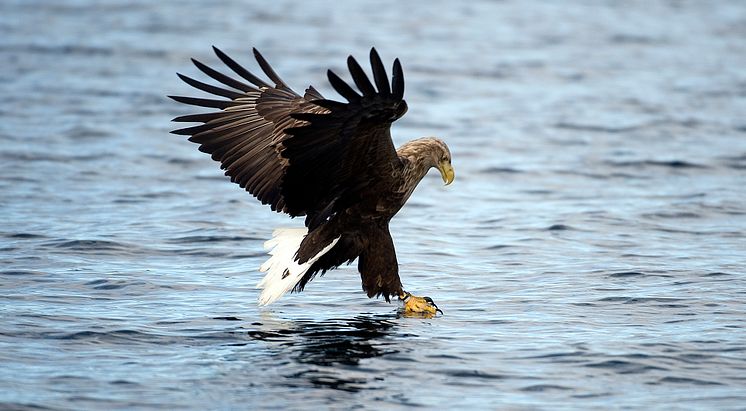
[(328, 353), (333, 341)]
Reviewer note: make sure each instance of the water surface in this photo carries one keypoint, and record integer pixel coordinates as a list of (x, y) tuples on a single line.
[(589, 255)]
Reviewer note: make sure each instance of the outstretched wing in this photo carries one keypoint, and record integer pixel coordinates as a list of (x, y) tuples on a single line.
[(302, 155), (337, 155), (245, 135)]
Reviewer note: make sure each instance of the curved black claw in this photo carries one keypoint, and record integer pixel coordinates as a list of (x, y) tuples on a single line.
[(419, 306), (430, 300)]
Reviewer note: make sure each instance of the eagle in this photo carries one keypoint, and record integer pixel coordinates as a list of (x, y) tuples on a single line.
[(333, 162)]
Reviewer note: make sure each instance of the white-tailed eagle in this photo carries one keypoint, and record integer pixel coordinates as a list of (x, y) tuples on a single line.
[(332, 162)]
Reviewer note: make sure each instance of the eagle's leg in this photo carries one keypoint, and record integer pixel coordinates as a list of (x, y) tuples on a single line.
[(414, 305)]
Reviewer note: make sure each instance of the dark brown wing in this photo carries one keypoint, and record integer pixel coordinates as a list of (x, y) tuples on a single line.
[(245, 136), (337, 155), (302, 155)]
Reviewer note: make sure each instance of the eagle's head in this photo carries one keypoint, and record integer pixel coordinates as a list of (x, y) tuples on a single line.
[(442, 156), (426, 153), (435, 153)]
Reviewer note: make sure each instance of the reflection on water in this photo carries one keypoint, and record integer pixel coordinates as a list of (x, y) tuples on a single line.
[(333, 341), (327, 344)]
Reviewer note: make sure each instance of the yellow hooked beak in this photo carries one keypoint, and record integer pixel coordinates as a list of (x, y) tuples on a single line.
[(446, 171)]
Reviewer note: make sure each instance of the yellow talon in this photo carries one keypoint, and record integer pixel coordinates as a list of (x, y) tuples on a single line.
[(418, 306)]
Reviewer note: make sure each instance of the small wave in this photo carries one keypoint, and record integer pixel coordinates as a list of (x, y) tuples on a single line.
[(127, 201), (160, 194), (211, 239), (472, 374), (626, 274), (641, 300), (627, 176), (597, 128), (544, 387), (112, 285), (20, 272), (79, 50), (211, 177), (109, 336), (682, 380), (221, 254), (633, 39), (538, 192), (181, 160), (656, 163), (500, 170), (91, 245), (624, 367), (23, 406), (444, 357), (71, 49), (25, 236), (69, 378), (716, 274), (125, 382), (53, 158), (557, 355), (85, 132), (559, 227), (673, 215), (498, 247)]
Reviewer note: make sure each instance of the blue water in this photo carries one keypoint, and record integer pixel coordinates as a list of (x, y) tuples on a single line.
[(590, 254)]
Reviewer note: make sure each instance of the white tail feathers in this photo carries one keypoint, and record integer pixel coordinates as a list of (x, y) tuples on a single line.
[(283, 272)]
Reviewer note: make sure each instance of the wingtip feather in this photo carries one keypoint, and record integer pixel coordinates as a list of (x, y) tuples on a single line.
[(239, 69), (397, 80), (379, 73), (359, 77), (342, 87), (267, 69)]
